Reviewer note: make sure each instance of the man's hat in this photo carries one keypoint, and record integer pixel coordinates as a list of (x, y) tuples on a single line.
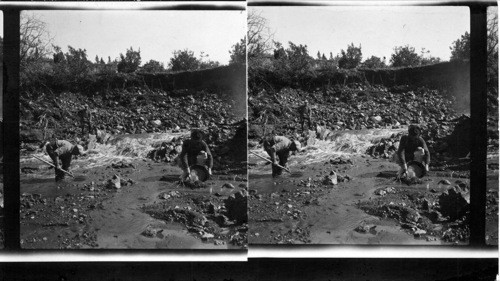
[(412, 129)]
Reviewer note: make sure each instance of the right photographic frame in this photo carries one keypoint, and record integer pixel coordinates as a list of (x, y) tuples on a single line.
[(360, 125)]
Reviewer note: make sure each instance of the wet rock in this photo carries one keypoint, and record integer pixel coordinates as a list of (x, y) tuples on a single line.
[(236, 207), (419, 232), (221, 220), (331, 179), (207, 236), (126, 182), (452, 204), (164, 196), (445, 182), (114, 182), (364, 228), (151, 232), (228, 185), (426, 205), (345, 178), (435, 216), (385, 191), (462, 186), (122, 164), (211, 208), (29, 170)]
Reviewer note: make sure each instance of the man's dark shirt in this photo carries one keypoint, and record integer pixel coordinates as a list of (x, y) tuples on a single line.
[(410, 145), (190, 151)]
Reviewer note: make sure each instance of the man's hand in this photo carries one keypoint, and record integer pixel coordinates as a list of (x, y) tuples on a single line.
[(185, 174), (210, 171), (426, 167), (403, 172)]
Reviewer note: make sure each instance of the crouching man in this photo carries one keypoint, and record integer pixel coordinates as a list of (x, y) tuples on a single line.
[(195, 152), (279, 149), (61, 153), (412, 147)]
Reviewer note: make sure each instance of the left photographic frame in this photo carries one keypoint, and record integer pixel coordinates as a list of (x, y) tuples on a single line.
[(133, 129), (1, 137)]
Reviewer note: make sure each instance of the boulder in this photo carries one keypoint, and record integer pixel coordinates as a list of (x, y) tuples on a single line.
[(114, 182), (376, 119), (236, 207), (156, 123), (452, 204)]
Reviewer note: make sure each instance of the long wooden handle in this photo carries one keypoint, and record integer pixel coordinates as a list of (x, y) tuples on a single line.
[(47, 162), (286, 169)]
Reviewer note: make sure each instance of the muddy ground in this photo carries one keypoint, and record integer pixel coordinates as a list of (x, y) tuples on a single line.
[(150, 210), (367, 206)]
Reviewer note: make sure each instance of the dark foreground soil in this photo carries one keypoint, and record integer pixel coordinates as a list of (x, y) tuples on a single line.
[(366, 206), (150, 210)]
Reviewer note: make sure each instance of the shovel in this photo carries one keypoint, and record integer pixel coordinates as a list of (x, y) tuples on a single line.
[(284, 168), (46, 162)]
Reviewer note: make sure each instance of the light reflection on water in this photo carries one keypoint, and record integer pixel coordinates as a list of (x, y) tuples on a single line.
[(342, 143), (125, 148)]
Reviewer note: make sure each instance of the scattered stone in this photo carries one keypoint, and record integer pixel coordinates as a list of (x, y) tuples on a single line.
[(115, 182), (330, 179), (445, 182), (236, 207), (419, 232), (452, 204), (364, 228), (228, 185), (156, 123), (207, 236)]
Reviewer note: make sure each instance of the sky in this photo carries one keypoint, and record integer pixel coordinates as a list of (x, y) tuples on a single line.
[(377, 29), (156, 33)]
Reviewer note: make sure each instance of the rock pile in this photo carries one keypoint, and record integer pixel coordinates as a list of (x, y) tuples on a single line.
[(356, 106), (128, 111)]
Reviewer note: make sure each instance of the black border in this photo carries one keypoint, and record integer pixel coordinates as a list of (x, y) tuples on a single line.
[(11, 125), (262, 269)]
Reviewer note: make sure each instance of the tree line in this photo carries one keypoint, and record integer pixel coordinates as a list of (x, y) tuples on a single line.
[(38, 53), (261, 44)]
